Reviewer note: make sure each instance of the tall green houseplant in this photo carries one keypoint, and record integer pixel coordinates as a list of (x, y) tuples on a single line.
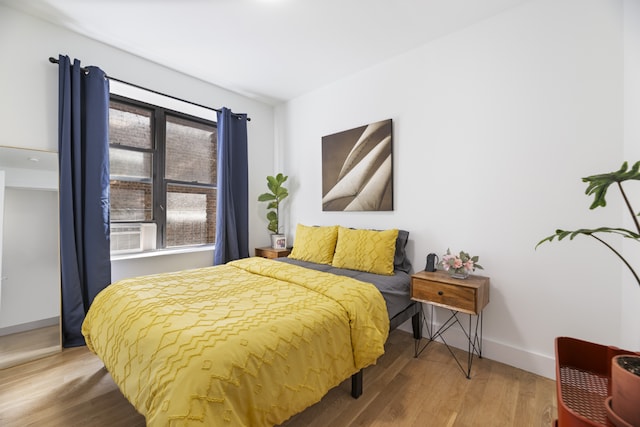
[(598, 186), (277, 193)]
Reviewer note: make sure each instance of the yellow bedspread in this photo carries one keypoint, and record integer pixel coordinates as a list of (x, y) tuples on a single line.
[(249, 343)]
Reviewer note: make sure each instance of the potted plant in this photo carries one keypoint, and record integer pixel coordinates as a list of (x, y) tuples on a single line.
[(277, 193), (625, 370)]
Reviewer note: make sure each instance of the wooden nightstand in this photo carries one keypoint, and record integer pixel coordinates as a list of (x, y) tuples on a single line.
[(468, 296), (269, 252)]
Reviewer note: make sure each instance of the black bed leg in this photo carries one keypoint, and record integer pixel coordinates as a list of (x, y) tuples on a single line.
[(356, 384), (416, 324)]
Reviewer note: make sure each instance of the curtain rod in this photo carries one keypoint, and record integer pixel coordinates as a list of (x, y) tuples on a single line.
[(55, 61)]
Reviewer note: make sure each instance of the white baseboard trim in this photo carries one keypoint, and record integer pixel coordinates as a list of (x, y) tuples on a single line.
[(536, 363)]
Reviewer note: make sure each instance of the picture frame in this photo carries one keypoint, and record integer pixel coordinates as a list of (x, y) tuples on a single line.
[(357, 169)]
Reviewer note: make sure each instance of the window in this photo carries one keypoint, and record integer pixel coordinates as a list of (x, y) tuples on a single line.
[(163, 172)]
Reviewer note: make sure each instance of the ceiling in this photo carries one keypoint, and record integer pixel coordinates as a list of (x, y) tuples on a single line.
[(271, 50)]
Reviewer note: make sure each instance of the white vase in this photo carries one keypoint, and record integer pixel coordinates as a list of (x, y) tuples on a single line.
[(278, 241)]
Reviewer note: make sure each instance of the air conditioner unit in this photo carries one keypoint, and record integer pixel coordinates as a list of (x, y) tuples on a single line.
[(126, 238)]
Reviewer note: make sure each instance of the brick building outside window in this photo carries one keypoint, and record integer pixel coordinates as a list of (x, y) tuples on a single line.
[(163, 172)]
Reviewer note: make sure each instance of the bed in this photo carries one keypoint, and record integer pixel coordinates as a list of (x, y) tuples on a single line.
[(248, 343)]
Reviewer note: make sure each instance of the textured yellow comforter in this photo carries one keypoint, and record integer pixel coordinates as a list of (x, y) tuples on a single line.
[(249, 343)]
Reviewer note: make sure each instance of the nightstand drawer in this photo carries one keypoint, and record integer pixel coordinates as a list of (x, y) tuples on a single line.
[(470, 295), (444, 294)]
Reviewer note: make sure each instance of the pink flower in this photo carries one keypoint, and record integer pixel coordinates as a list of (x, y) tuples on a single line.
[(448, 261), (459, 263)]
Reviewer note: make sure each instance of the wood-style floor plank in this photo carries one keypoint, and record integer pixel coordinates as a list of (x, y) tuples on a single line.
[(72, 388), (22, 347)]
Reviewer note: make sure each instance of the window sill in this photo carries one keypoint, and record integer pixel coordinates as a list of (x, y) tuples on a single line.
[(162, 252)]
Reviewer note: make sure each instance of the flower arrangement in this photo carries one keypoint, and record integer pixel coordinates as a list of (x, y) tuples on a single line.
[(459, 265)]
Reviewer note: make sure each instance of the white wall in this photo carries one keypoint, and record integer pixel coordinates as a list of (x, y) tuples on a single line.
[(30, 263), (630, 299), (142, 264), (493, 128), (29, 104)]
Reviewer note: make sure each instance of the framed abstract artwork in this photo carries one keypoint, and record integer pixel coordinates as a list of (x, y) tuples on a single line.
[(357, 169)]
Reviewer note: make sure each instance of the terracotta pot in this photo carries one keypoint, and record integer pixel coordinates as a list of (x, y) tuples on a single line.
[(625, 390), (613, 417)]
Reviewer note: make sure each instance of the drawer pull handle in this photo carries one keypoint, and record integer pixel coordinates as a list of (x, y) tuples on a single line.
[(440, 293)]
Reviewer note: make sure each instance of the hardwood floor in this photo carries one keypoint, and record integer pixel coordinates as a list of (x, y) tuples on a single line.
[(23, 347), (72, 388)]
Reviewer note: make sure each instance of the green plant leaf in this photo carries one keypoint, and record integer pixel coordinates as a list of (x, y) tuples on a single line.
[(281, 193), (265, 197), (561, 234), (599, 184), (281, 178), (272, 184)]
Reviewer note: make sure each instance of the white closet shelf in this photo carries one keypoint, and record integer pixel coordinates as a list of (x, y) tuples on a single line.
[(29, 169)]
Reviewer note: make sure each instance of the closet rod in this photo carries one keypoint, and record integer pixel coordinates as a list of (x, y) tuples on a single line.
[(55, 61)]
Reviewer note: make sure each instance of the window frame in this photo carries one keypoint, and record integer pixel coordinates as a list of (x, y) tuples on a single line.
[(159, 182)]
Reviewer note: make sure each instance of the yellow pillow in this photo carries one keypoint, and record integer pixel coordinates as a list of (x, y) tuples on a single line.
[(366, 250), (314, 244)]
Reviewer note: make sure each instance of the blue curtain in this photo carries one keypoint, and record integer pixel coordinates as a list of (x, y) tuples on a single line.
[(232, 215), (83, 155)]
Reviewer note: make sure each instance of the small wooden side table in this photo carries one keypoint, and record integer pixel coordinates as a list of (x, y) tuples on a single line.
[(269, 252), (468, 296)]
